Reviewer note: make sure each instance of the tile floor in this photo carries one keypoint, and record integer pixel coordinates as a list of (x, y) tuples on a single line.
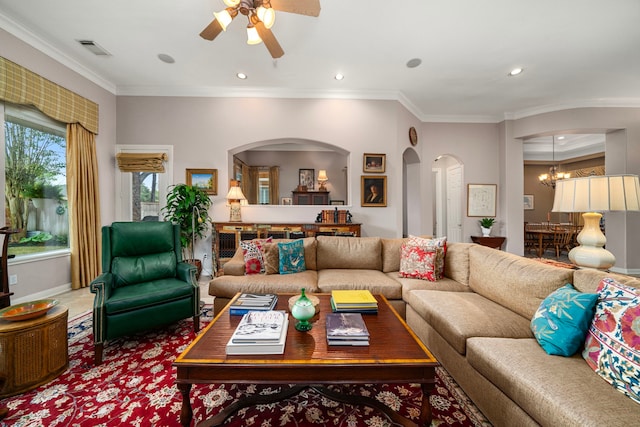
[(80, 301)]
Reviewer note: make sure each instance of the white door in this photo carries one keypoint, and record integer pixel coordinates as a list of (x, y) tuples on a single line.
[(454, 205)]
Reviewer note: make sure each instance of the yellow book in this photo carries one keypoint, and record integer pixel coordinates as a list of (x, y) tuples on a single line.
[(353, 298)]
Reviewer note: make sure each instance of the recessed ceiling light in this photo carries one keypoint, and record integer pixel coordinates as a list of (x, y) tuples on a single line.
[(515, 71), (241, 76), (339, 76), (413, 63), (166, 58)]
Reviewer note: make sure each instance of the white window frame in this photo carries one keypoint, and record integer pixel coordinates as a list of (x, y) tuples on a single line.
[(124, 197)]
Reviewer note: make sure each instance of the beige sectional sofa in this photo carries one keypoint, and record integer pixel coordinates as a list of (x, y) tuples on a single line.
[(476, 321)]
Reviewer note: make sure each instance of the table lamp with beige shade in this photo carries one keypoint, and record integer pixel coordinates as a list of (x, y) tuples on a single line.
[(235, 197), (593, 195)]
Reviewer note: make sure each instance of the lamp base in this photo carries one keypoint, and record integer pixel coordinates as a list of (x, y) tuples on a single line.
[(234, 213), (590, 253)]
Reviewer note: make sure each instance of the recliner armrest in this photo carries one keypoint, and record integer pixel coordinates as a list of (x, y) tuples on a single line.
[(186, 272), (101, 286)]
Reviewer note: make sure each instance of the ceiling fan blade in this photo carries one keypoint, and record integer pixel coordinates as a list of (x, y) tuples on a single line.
[(269, 40), (212, 30), (301, 7)]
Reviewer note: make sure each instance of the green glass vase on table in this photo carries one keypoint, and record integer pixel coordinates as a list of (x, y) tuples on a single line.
[(303, 310)]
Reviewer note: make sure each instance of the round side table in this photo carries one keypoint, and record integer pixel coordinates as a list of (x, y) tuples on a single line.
[(33, 351)]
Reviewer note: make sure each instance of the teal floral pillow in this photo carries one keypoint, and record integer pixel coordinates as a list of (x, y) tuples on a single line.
[(291, 256), (561, 322)]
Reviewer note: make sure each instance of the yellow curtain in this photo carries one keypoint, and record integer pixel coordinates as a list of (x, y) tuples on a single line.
[(84, 211), (252, 187), (22, 86), (274, 184)]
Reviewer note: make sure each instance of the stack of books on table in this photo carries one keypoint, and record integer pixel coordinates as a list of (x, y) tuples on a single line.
[(346, 329), (353, 301), (260, 332), (252, 302)]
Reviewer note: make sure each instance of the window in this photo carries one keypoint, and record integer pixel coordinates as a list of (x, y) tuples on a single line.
[(141, 195), (35, 181)]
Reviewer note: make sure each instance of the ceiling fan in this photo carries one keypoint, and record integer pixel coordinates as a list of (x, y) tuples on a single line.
[(261, 16)]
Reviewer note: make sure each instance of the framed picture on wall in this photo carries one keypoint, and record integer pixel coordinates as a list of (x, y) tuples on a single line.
[(373, 190), (481, 200), (374, 163), (306, 177), (528, 202), (204, 179)]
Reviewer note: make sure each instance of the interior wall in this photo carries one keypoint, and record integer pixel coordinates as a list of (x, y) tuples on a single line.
[(44, 277)]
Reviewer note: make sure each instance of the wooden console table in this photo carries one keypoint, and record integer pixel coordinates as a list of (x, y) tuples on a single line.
[(494, 242), (227, 235)]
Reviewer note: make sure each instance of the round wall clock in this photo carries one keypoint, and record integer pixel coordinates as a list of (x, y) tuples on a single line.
[(413, 136)]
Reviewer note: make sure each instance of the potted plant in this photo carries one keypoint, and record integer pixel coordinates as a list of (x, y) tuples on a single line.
[(188, 207), (485, 225)]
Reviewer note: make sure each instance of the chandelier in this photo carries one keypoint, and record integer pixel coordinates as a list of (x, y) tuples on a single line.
[(550, 179)]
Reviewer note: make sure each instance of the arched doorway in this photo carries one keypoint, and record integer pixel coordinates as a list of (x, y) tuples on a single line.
[(411, 190)]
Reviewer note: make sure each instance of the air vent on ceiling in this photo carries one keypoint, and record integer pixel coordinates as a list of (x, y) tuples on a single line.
[(94, 47)]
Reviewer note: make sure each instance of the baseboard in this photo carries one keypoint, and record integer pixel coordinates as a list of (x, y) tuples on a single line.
[(43, 294), (626, 271)]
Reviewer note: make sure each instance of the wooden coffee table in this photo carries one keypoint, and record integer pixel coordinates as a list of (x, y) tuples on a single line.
[(395, 355)]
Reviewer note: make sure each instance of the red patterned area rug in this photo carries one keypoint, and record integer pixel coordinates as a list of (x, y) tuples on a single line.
[(135, 386)]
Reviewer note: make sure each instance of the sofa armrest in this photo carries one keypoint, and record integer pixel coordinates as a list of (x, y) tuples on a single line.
[(235, 266)]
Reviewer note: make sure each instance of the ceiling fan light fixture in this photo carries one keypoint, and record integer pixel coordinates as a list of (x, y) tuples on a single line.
[(252, 35), (231, 3), (224, 18), (267, 15)]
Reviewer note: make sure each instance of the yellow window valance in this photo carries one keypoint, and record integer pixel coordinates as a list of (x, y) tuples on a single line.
[(141, 162), (21, 86)]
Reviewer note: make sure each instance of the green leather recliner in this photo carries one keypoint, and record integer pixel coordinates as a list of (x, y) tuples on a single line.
[(144, 283)]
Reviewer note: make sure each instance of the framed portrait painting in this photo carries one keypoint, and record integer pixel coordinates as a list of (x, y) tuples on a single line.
[(481, 200), (373, 190), (374, 163), (204, 179)]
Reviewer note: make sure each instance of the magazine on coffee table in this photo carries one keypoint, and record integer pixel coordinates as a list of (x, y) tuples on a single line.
[(257, 347), (346, 329)]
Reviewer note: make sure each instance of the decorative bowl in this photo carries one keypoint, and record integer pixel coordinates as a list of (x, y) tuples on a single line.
[(27, 310)]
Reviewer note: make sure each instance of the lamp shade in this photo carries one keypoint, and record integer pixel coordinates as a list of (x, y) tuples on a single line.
[(235, 193), (322, 176), (598, 193), (224, 18)]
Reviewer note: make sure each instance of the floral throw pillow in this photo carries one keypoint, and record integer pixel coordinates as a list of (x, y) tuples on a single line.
[(612, 346), (438, 245), (561, 322), (291, 256), (418, 262), (253, 252)]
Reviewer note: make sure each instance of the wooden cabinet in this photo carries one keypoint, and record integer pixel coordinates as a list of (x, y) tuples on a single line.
[(310, 197), (227, 235)]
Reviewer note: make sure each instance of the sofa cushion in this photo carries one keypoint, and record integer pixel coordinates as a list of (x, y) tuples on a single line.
[(612, 347), (456, 262), (361, 253), (291, 256), (588, 279), (444, 284), (227, 286), (375, 281), (133, 270), (253, 259), (515, 282), (391, 254), (555, 391), (560, 324), (457, 316), (272, 258)]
